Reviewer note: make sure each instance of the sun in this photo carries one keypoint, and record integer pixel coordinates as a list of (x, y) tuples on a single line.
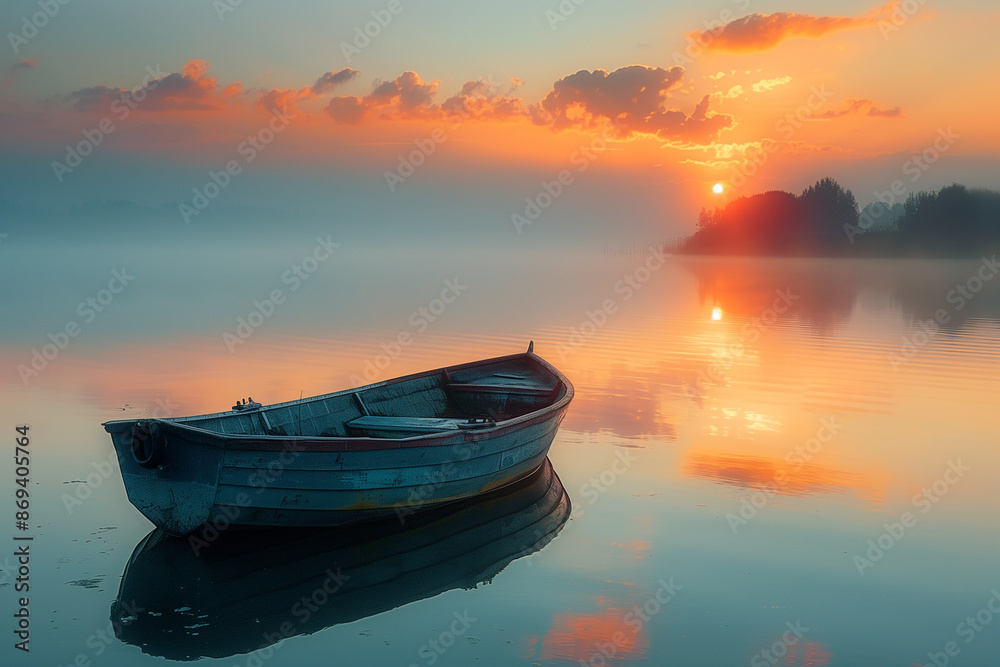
[(717, 188)]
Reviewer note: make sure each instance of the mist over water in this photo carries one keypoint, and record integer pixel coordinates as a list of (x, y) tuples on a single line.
[(759, 450)]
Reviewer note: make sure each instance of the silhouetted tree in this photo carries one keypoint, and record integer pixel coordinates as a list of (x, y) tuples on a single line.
[(828, 207), (704, 218), (765, 223), (954, 220), (708, 218), (877, 217)]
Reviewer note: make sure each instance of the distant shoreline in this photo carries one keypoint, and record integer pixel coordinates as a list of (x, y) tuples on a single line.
[(868, 253), (825, 221)]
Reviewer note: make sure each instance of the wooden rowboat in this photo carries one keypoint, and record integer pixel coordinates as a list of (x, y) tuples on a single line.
[(246, 591), (388, 448)]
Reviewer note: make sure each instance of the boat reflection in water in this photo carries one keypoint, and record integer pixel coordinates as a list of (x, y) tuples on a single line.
[(247, 589)]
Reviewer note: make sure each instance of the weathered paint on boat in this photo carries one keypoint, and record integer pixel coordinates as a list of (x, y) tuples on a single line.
[(383, 449), (239, 594)]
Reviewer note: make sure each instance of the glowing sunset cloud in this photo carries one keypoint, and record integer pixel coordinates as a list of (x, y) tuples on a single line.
[(856, 106), (632, 99), (285, 99), (759, 32), (770, 84), (28, 63)]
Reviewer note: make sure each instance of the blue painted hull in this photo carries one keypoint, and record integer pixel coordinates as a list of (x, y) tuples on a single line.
[(235, 595), (387, 449)]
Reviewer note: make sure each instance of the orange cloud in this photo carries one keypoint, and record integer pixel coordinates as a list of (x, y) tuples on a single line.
[(190, 90), (855, 106), (409, 97), (477, 99), (770, 84), (732, 93), (233, 89), (348, 110), (631, 93), (29, 63), (196, 69), (632, 99), (326, 82), (405, 97), (286, 100), (759, 32)]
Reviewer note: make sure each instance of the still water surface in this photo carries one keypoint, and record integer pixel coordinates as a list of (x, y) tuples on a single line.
[(767, 462)]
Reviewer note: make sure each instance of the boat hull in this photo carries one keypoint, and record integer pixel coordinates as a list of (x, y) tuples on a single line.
[(234, 596), (223, 479)]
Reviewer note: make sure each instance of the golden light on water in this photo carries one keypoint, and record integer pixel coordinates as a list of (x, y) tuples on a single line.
[(717, 313)]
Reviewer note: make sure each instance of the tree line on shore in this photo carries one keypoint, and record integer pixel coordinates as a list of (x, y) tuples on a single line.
[(825, 220)]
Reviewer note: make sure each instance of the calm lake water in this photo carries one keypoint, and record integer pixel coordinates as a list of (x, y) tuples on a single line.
[(767, 462)]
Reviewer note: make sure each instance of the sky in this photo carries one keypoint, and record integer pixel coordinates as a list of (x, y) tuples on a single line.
[(580, 119)]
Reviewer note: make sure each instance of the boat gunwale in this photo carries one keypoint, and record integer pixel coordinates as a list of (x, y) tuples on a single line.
[(425, 439)]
